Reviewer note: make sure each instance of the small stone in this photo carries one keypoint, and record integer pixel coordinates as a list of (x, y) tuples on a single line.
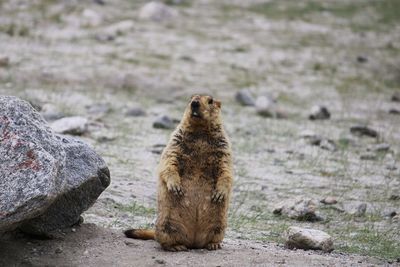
[(368, 156), (394, 111), (328, 144), (51, 113), (245, 98), (329, 201), (100, 2), (360, 210), (71, 125), (119, 28), (396, 96), (73, 230), (392, 214), (156, 11), (394, 197), (4, 61), (160, 261), (135, 112), (86, 252), (362, 59), (164, 122), (91, 18), (302, 238), (98, 109), (299, 209), (58, 250), (319, 113), (381, 147), (363, 131), (265, 107), (396, 218)]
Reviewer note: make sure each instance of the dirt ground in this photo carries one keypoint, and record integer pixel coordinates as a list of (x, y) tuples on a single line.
[(99, 59), (91, 245)]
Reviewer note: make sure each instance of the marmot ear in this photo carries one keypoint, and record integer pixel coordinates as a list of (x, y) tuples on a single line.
[(218, 103)]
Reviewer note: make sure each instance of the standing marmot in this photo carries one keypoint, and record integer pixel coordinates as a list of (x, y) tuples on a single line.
[(195, 181)]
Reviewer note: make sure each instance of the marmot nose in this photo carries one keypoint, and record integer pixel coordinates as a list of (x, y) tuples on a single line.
[(195, 104)]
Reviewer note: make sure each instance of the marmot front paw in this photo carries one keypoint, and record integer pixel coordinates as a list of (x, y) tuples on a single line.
[(175, 188)]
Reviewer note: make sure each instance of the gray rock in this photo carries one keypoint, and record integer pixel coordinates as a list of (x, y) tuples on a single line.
[(383, 147), (299, 209), (360, 210), (245, 98), (368, 156), (46, 180), (363, 131), (4, 61), (394, 111), (71, 125), (30, 160), (329, 200), (86, 176), (156, 11), (119, 28), (98, 109), (396, 96), (164, 122), (51, 113), (135, 112), (394, 196), (265, 107), (319, 113), (302, 238)]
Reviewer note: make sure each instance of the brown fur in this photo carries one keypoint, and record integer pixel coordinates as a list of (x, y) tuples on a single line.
[(195, 180)]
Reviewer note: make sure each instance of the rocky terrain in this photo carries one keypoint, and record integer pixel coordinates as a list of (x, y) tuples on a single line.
[(315, 128)]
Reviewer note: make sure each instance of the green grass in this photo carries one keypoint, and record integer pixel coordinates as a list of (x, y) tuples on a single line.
[(136, 209), (387, 10)]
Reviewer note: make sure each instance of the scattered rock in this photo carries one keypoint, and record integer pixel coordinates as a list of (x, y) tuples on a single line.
[(156, 11), (396, 96), (362, 59), (394, 111), (363, 131), (4, 61), (379, 148), (158, 148), (299, 209), (328, 144), (319, 113), (71, 125), (396, 218), (360, 210), (136, 112), (119, 28), (46, 180), (392, 214), (245, 98), (329, 201), (160, 261), (91, 18), (368, 156), (317, 140), (58, 250), (265, 107), (98, 110), (394, 197), (51, 113), (301, 238), (164, 122)]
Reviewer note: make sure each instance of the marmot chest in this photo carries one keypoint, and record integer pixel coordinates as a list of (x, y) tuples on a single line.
[(200, 159)]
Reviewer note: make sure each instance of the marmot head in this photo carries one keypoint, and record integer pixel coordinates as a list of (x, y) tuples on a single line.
[(203, 109)]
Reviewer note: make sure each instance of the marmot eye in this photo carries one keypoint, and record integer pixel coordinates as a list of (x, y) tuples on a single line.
[(210, 101)]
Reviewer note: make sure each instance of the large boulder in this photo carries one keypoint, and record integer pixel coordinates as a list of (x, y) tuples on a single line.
[(46, 180)]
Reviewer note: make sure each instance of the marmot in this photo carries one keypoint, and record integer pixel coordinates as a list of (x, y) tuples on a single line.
[(195, 181)]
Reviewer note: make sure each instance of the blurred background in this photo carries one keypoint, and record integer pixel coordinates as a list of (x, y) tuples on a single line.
[(310, 92)]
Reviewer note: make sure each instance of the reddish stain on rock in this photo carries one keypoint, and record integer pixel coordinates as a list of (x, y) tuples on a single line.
[(30, 162)]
